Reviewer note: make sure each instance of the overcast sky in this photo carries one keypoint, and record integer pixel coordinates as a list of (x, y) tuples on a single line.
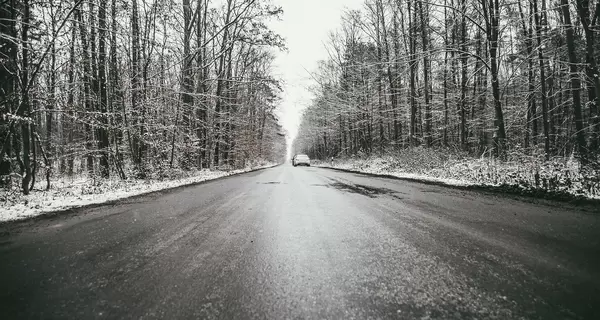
[(306, 25)]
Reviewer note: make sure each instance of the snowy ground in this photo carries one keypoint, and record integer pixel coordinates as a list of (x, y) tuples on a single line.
[(380, 167), (559, 176), (380, 170), (72, 192)]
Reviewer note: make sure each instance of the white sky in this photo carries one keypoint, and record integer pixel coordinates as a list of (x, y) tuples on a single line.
[(306, 25)]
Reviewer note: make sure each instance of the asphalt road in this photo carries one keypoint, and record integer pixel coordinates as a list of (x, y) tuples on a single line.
[(306, 243)]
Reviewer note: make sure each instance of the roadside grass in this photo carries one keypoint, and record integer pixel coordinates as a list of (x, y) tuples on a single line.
[(558, 178), (82, 190)]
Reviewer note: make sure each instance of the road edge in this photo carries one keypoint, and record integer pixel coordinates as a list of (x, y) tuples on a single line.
[(10, 224)]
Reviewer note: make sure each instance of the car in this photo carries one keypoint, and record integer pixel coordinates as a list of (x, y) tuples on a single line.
[(301, 160)]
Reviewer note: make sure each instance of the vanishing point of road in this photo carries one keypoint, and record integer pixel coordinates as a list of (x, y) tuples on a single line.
[(305, 243)]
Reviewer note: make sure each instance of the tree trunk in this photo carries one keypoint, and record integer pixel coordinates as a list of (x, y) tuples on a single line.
[(201, 90), (103, 127), (394, 79), (413, 74), (492, 12), (50, 106), (445, 77), (380, 25), (463, 77), (187, 85), (426, 67), (136, 141), (544, 92), (116, 105), (26, 106), (575, 81)]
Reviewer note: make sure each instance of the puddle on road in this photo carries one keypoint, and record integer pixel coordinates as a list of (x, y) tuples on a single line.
[(364, 190)]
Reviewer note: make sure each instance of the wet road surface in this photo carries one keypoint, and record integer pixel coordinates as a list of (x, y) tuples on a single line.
[(306, 243)]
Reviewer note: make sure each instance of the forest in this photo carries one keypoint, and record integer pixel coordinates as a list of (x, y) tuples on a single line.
[(504, 80), (136, 89)]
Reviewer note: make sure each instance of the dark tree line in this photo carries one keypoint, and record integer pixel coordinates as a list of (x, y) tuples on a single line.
[(136, 88), (482, 76)]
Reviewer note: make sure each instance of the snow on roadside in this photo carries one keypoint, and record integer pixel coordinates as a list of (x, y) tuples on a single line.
[(68, 193), (557, 177), (380, 170)]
